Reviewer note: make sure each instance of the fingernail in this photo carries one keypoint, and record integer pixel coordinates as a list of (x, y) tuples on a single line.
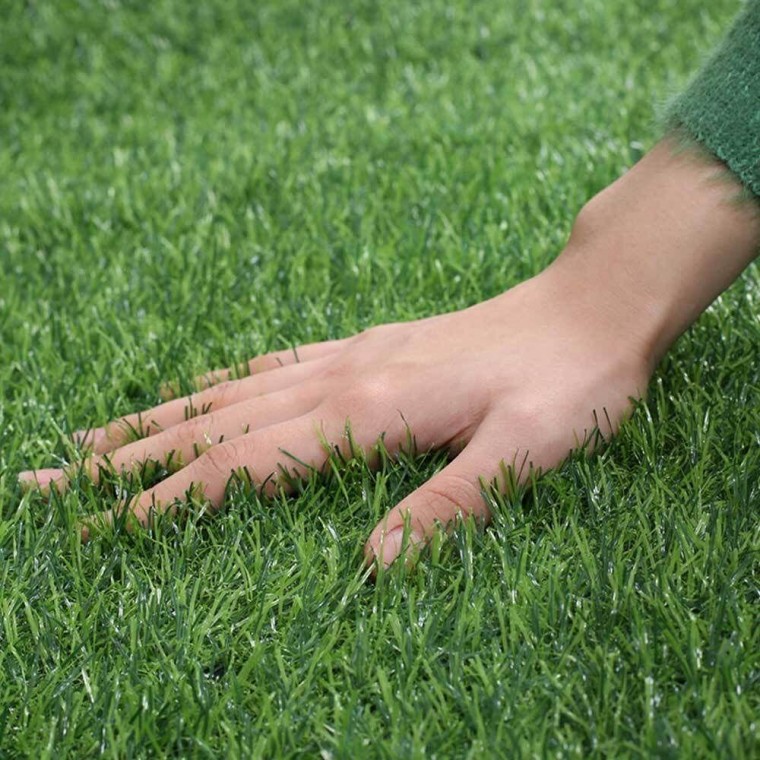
[(89, 438), (26, 480), (90, 526), (392, 543), (168, 391), (29, 479), (79, 436)]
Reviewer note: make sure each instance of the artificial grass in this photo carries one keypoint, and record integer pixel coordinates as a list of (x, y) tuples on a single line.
[(186, 185)]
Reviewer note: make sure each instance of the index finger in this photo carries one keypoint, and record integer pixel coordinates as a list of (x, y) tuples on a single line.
[(295, 355)]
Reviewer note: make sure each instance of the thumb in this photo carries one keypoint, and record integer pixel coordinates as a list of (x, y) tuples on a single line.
[(452, 492)]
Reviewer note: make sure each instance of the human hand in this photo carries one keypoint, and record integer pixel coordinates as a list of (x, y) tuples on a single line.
[(519, 380), (506, 386)]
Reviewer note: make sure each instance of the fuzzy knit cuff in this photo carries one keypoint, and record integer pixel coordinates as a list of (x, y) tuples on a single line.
[(721, 106)]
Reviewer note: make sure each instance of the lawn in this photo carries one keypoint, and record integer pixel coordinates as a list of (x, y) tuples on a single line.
[(185, 185)]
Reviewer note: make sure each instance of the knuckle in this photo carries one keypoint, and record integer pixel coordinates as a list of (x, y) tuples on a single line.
[(124, 428), (367, 391), (221, 459), (274, 360), (377, 332), (191, 429), (366, 334), (452, 494), (335, 372), (219, 395), (528, 421)]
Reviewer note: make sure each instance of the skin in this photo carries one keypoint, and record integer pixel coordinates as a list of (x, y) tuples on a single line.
[(509, 385)]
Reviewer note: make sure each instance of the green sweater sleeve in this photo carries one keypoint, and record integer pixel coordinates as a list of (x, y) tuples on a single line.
[(721, 106)]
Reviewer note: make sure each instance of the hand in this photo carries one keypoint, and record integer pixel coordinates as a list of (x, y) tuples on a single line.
[(515, 382), (519, 380)]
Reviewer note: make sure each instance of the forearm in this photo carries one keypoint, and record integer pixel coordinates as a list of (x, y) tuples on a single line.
[(653, 250), (650, 253)]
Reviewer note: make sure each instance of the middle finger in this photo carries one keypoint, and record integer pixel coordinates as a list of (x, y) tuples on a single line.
[(183, 443), (171, 413)]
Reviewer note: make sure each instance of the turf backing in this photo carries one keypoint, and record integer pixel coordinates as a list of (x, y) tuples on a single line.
[(189, 184)]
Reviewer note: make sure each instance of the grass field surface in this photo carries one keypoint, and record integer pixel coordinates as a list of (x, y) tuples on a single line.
[(186, 185)]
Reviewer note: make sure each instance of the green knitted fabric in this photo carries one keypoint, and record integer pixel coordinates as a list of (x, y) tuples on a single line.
[(721, 106)]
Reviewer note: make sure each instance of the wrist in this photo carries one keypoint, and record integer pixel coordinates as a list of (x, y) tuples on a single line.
[(654, 249)]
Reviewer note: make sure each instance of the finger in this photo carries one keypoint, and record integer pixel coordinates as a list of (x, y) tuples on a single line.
[(184, 443), (295, 448), (453, 492), (164, 416), (272, 457), (181, 444), (259, 364), (94, 439), (40, 479)]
